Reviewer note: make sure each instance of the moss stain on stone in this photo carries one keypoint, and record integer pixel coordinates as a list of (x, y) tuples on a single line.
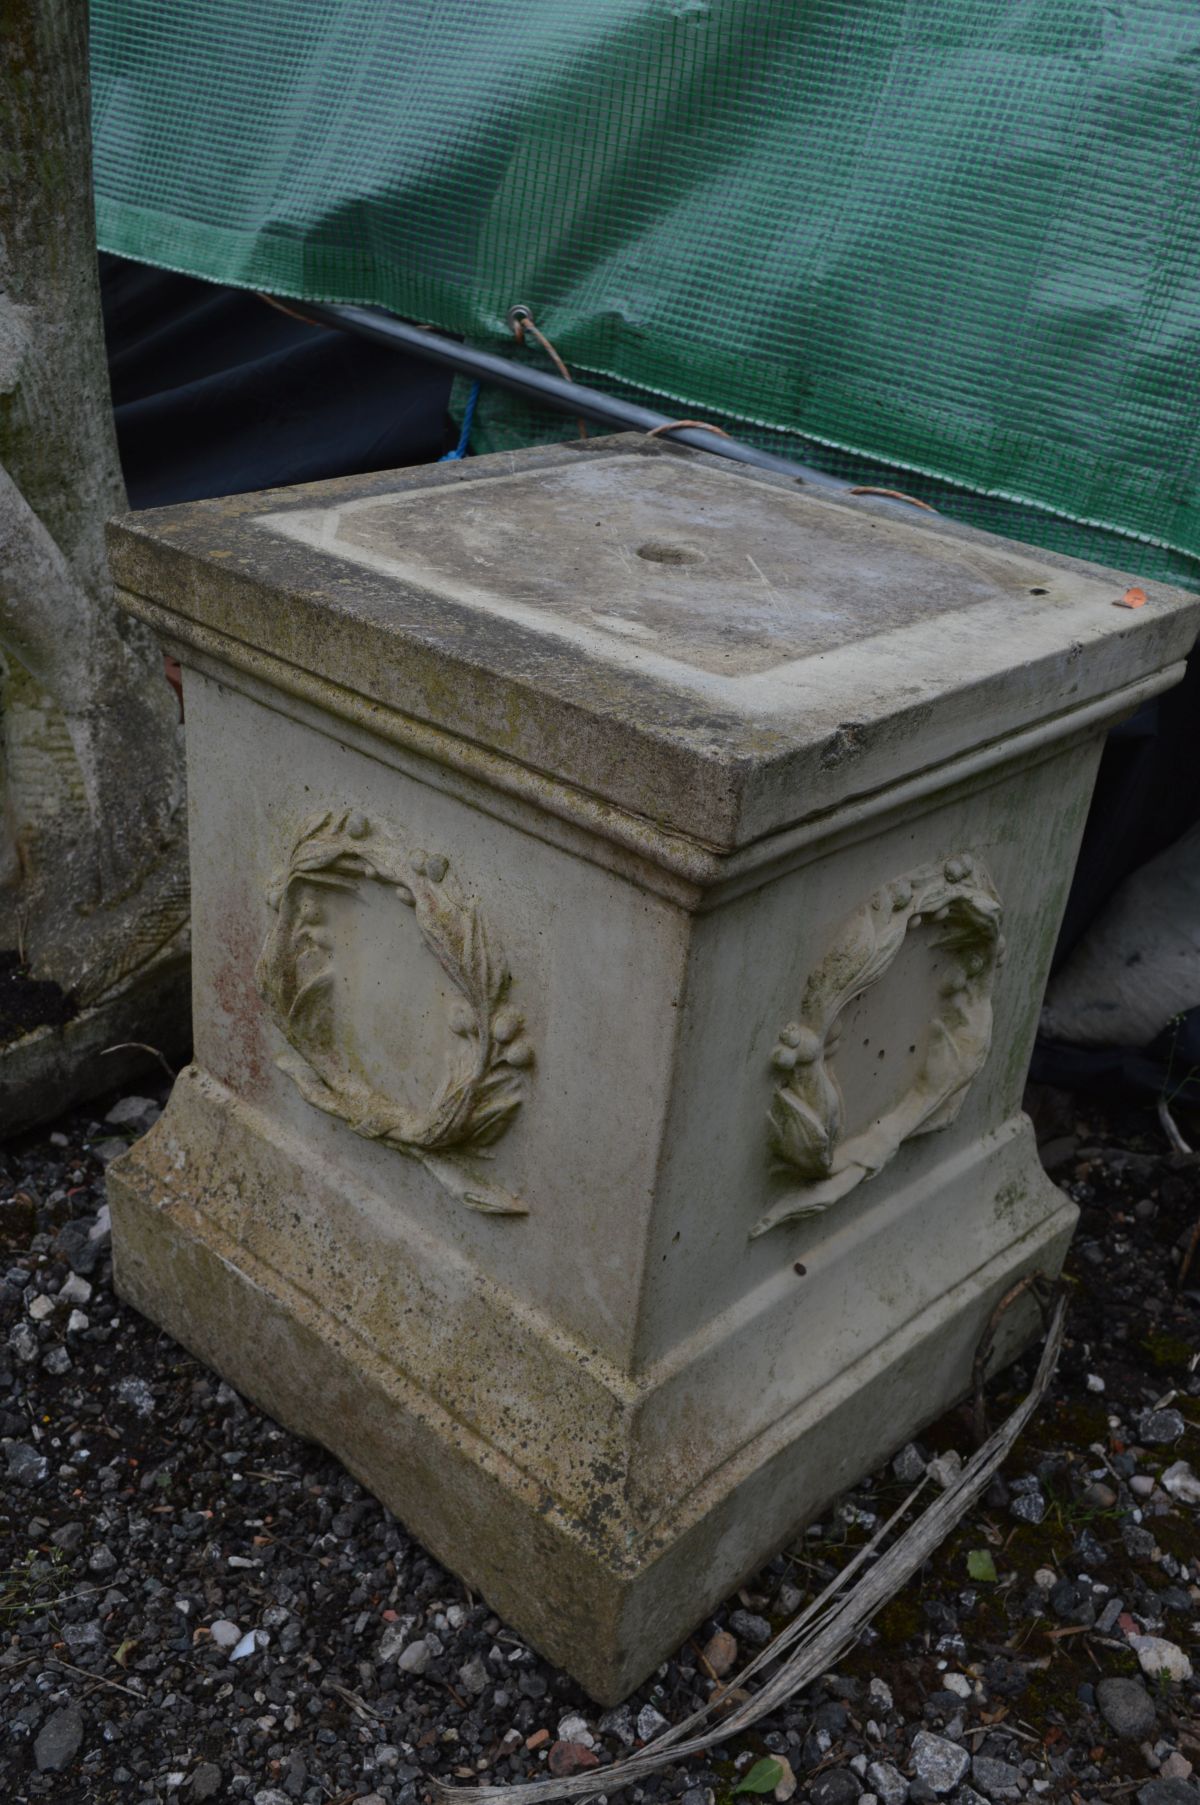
[(1168, 1350)]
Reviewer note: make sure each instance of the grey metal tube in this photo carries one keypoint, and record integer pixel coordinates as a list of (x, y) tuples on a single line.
[(551, 391)]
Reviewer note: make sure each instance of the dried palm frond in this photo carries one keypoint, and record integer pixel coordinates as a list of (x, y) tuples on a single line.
[(818, 1636)]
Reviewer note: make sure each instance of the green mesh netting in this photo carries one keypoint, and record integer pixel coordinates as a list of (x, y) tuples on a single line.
[(958, 239)]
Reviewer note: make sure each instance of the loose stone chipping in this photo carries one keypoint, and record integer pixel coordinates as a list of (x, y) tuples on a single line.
[(601, 1028), (939, 1764), (324, 1621)]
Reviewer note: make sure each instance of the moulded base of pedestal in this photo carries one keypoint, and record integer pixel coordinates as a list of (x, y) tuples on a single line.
[(573, 1559)]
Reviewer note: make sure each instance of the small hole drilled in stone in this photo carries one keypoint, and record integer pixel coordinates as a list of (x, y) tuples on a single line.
[(659, 551)]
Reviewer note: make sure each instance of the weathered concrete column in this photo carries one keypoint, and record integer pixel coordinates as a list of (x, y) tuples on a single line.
[(624, 887)]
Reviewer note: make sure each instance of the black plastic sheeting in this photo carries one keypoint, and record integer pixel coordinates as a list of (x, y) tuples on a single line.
[(217, 393), (1147, 794), (1169, 1067)]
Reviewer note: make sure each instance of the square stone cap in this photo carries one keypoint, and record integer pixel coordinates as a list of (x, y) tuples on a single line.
[(713, 649)]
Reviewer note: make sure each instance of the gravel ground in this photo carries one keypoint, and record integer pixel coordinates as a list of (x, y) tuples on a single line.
[(196, 1605)]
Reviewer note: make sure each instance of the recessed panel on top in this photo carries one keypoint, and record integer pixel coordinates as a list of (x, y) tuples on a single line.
[(657, 559)]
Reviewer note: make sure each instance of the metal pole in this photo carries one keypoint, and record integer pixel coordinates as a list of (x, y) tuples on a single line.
[(551, 391)]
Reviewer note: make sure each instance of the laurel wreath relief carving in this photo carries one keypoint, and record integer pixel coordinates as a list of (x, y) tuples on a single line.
[(807, 1137), (483, 1086)]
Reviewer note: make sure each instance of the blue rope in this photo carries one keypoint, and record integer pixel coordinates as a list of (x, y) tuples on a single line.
[(464, 437)]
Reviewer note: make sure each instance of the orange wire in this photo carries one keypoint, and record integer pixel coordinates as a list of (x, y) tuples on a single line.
[(524, 322), (279, 307), (894, 495), (674, 425)]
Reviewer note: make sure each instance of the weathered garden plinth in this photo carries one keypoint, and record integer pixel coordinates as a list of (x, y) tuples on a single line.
[(623, 891)]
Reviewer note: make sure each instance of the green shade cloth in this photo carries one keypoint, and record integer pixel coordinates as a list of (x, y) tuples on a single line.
[(957, 239)]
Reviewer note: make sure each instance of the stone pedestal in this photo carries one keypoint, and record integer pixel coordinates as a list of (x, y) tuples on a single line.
[(623, 891)]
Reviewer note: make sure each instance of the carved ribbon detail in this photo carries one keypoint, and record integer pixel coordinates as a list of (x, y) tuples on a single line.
[(957, 900), (483, 1086)]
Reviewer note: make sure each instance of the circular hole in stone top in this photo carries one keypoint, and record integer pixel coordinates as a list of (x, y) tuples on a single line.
[(664, 551)]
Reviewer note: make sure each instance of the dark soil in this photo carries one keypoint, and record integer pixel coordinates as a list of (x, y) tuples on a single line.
[(27, 1003), (150, 1512)]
